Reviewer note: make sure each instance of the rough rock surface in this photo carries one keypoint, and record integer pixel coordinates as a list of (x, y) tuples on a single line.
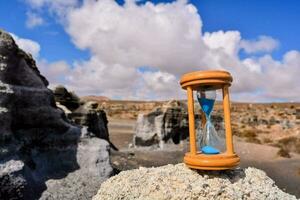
[(86, 114), (93, 121), (69, 99), (37, 142), (167, 124), (172, 182), (93, 158)]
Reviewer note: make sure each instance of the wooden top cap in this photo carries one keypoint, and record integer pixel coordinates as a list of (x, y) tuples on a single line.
[(215, 79)]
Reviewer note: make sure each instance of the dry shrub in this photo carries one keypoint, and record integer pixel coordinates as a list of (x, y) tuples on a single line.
[(267, 140), (253, 140), (292, 107), (291, 144), (283, 153), (249, 134), (246, 133)]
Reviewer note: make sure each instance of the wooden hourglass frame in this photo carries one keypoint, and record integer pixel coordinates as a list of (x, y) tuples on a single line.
[(215, 80)]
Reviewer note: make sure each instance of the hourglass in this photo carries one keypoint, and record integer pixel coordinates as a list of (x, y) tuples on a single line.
[(215, 152)]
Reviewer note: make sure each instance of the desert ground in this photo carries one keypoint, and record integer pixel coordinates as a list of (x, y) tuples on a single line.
[(258, 143)]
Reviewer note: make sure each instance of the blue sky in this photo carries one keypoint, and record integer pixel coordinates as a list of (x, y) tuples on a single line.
[(55, 43), (229, 24), (276, 18)]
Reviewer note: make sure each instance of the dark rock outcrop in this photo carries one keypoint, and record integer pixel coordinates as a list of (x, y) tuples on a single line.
[(66, 98), (92, 120), (37, 142)]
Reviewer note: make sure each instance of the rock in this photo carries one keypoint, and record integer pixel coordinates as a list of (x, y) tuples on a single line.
[(172, 182), (287, 124), (66, 98), (253, 120), (12, 182), (84, 183), (85, 114), (64, 108), (92, 120), (37, 142), (168, 124), (30, 123)]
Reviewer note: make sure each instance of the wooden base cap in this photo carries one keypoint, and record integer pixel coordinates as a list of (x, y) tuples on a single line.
[(211, 162)]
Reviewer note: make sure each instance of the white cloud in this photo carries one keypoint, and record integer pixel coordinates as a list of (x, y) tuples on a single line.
[(95, 77), (252, 65), (262, 44), (27, 45), (166, 37), (57, 7), (164, 84), (225, 41), (55, 72), (33, 20), (282, 77), (134, 35)]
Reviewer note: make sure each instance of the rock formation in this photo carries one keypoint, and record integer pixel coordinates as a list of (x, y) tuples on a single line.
[(92, 120), (86, 114), (94, 167), (168, 124), (68, 99), (172, 182), (37, 142)]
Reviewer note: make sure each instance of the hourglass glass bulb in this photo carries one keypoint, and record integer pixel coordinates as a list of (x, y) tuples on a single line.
[(210, 142), (206, 99)]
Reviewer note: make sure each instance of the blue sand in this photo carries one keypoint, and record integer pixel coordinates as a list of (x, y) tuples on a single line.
[(206, 105), (209, 150)]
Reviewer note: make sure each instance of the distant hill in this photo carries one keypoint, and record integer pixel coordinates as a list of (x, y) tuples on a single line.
[(95, 98)]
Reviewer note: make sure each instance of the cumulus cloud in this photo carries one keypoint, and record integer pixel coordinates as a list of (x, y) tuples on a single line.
[(135, 35), (159, 85), (262, 44), (282, 77), (27, 45), (225, 41), (168, 39), (252, 65), (96, 77), (33, 20)]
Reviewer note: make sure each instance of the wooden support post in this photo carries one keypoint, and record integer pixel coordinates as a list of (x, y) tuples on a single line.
[(226, 107), (190, 98)]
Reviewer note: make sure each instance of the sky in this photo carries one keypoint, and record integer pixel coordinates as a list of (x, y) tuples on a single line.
[(139, 49)]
